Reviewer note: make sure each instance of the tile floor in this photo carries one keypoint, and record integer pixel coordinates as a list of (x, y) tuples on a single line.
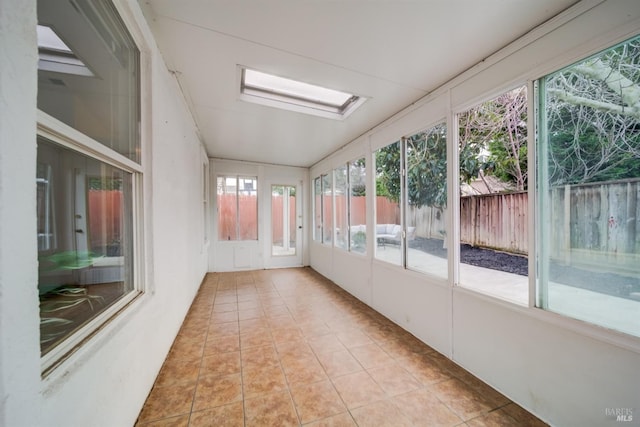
[(288, 348)]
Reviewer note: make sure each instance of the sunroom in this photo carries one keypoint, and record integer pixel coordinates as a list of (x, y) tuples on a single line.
[(463, 174)]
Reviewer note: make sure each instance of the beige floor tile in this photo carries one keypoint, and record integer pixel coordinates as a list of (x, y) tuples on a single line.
[(341, 420), (422, 407), (465, 402), (256, 357), (288, 347), (178, 371), (339, 363), (317, 401), (272, 409), (325, 343), (224, 317), (179, 421), (263, 379), (220, 364), (353, 338), (165, 402), (217, 391), (231, 415), (300, 371), (371, 356), (225, 344), (394, 379), (358, 389), (380, 414)]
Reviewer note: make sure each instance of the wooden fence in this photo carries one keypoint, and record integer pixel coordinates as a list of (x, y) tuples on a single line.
[(497, 221), (597, 223), (588, 223)]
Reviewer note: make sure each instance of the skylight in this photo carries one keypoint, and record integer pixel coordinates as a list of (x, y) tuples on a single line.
[(55, 55), (294, 95)]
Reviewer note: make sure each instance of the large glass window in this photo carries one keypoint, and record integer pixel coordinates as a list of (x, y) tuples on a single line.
[(88, 72), (357, 206), (85, 261), (317, 209), (237, 207), (589, 187), (283, 220), (388, 194), (327, 209), (493, 197), (341, 200), (87, 225), (426, 201)]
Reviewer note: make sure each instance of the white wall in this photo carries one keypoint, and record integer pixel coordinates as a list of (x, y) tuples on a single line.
[(563, 370), (250, 255), (107, 380), (19, 316)]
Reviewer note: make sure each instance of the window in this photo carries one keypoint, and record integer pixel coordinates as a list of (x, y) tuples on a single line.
[(426, 201), (105, 103), (86, 265), (205, 199), (267, 89), (589, 187), (350, 206), (323, 209), (388, 195), (237, 208), (89, 181), (342, 208), (327, 209), (283, 220), (357, 206), (317, 209), (411, 201), (493, 197)]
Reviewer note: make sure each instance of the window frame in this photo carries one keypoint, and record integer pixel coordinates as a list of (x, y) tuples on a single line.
[(540, 286), (349, 204), (60, 133), (327, 222), (530, 191), (237, 178), (344, 214)]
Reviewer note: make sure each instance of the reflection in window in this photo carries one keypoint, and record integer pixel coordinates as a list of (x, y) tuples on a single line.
[(237, 198), (357, 206), (86, 264), (426, 158), (88, 79), (388, 194), (589, 180), (46, 211), (88, 72)]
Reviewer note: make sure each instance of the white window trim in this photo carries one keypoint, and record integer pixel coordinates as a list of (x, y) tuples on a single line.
[(58, 132)]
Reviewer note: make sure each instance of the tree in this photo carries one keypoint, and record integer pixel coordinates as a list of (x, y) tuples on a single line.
[(593, 118), (499, 126)]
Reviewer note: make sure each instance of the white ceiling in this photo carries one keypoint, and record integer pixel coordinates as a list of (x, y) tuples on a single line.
[(391, 51)]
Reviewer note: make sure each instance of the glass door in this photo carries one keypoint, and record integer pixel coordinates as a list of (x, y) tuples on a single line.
[(285, 226)]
